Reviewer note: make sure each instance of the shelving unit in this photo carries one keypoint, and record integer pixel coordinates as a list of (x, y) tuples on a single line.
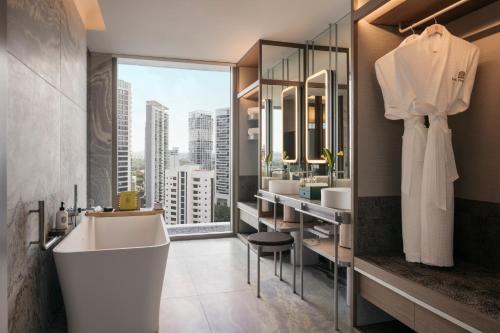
[(250, 92), (253, 114), (247, 93), (407, 12), (283, 226), (325, 247)]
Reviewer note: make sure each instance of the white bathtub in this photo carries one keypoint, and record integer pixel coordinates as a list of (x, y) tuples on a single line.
[(111, 272)]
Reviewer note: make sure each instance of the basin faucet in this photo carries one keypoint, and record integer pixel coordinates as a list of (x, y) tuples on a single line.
[(335, 174)]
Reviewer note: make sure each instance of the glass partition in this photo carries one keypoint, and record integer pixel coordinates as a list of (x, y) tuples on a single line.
[(330, 51), (317, 115), (282, 63), (290, 102)]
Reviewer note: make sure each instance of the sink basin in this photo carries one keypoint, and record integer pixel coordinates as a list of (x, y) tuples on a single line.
[(339, 198), (336, 197), (286, 187), (266, 179)]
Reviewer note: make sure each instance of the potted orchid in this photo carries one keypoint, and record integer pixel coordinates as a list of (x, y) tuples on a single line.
[(330, 163)]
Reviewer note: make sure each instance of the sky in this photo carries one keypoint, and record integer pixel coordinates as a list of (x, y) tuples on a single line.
[(181, 90)]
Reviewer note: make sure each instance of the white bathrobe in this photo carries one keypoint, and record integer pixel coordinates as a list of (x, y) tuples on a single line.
[(414, 140), (439, 69)]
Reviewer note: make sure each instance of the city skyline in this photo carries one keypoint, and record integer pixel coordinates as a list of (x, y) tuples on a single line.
[(188, 174), (182, 90)]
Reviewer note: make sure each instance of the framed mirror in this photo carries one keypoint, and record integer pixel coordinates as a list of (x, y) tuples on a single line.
[(290, 118), (317, 115), (265, 135)]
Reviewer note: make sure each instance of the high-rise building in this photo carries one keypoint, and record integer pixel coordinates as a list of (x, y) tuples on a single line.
[(157, 153), (124, 136), (172, 198), (222, 156), (200, 197), (201, 139), (188, 195), (173, 156)]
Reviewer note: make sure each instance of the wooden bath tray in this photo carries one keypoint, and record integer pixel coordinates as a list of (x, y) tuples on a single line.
[(125, 213)]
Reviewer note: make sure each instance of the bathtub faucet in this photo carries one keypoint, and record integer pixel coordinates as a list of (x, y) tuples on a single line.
[(74, 212)]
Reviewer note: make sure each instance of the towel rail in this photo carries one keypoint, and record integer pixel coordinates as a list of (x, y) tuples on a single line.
[(42, 237), (432, 17)]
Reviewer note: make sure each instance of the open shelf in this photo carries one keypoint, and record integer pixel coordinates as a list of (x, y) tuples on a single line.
[(325, 247), (283, 226), (250, 92), (253, 135), (406, 12), (253, 113)]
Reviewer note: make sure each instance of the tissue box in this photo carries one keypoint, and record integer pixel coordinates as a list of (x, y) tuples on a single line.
[(311, 192)]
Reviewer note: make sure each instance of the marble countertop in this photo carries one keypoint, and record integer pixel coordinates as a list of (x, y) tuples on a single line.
[(466, 283)]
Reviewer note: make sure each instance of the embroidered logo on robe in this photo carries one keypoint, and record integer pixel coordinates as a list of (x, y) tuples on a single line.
[(460, 77)]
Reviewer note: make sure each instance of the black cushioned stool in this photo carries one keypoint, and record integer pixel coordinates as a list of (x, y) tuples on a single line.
[(270, 242)]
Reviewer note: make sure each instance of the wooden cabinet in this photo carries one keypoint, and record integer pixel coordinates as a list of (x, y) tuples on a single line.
[(428, 322), (406, 311), (387, 300)]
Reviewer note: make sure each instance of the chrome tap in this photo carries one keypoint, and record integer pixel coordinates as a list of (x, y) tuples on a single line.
[(74, 212)]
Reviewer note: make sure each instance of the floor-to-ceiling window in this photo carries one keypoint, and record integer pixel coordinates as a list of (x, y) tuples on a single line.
[(173, 141)]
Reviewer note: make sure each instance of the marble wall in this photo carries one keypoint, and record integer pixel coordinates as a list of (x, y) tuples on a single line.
[(46, 145), (100, 129), (3, 169)]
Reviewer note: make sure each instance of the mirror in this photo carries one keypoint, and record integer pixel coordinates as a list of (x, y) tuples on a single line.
[(317, 115), (265, 135), (290, 104)]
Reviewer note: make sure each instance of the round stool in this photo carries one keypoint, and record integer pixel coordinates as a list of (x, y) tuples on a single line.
[(270, 242)]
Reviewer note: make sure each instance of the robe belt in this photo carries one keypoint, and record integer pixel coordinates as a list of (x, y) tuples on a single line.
[(414, 132), (441, 168)]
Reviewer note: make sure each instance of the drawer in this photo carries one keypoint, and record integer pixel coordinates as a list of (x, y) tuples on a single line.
[(428, 322), (387, 300)]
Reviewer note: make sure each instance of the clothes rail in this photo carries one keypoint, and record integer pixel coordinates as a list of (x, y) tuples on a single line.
[(432, 17)]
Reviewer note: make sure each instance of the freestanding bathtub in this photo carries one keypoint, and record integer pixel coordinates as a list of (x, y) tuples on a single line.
[(111, 271)]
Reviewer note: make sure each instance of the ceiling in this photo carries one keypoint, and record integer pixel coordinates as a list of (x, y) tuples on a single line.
[(209, 30)]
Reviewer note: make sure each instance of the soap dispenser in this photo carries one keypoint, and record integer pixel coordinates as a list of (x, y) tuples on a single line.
[(62, 218)]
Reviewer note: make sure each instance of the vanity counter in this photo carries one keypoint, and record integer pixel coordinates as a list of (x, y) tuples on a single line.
[(313, 206)]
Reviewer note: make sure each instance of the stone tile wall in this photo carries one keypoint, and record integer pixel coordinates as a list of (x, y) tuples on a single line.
[(46, 145)]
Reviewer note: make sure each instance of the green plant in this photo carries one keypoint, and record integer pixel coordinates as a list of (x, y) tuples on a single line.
[(330, 162), (269, 161)]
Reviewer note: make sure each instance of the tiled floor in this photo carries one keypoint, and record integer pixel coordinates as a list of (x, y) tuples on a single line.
[(205, 290)]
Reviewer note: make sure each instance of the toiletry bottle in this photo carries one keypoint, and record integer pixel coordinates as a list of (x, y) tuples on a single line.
[(62, 218)]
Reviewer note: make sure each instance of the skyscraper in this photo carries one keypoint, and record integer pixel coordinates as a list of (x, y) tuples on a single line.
[(157, 153), (200, 196), (173, 158), (222, 156), (188, 195), (124, 136), (201, 139)]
